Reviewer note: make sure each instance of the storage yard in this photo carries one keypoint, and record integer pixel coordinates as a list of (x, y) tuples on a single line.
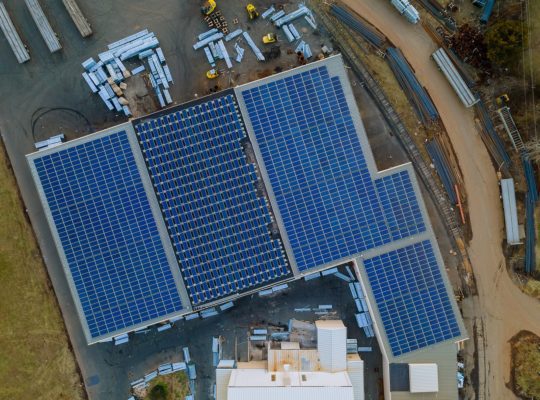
[(218, 86)]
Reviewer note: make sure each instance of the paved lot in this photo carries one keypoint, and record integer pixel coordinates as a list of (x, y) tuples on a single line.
[(51, 84), (145, 351)]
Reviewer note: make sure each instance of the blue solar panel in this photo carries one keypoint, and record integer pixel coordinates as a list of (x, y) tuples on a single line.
[(329, 203), (398, 200), (412, 299), (207, 192), (108, 234)]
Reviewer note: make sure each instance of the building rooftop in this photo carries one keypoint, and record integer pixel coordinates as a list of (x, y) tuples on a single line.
[(237, 191)]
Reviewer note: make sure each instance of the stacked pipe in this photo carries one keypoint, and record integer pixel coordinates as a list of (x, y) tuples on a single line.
[(359, 25), (419, 98), (486, 12), (302, 10), (490, 137), (530, 234), (442, 166)]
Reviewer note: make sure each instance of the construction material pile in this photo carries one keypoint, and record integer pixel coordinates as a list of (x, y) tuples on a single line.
[(214, 47), (213, 41), (531, 198), (422, 104), (217, 21), (442, 166), (468, 43), (490, 137), (405, 8), (359, 25), (107, 76)]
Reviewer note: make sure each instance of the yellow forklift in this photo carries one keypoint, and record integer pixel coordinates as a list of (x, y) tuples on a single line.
[(208, 7), (269, 38), (252, 11), (212, 74)]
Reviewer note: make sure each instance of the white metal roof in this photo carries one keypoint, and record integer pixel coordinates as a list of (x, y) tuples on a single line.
[(510, 211), (423, 378), (332, 345), (259, 384), (355, 369), (222, 381), (263, 378), (291, 393)]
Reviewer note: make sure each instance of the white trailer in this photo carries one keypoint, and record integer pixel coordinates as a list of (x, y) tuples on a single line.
[(51, 40), (12, 36)]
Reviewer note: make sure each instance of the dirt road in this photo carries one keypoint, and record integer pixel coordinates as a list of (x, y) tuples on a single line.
[(504, 309)]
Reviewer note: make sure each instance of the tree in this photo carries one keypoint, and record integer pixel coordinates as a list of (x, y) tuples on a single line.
[(159, 392), (505, 41)]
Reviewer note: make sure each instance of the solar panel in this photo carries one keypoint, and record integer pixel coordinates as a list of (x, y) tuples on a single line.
[(400, 205), (329, 203), (411, 297), (108, 234), (207, 190)]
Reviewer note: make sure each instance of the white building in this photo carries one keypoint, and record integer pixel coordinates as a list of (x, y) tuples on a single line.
[(290, 372)]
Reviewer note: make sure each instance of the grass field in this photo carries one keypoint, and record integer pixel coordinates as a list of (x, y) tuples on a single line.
[(169, 387), (525, 365), (35, 359)]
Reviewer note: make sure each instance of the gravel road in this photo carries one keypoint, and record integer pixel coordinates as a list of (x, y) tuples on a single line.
[(502, 307)]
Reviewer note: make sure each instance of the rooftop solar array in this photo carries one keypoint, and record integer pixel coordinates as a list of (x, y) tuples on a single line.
[(108, 234), (411, 297), (398, 198), (329, 203), (206, 189)]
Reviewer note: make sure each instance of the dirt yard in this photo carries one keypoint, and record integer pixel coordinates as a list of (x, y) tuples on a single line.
[(504, 309), (526, 365), (36, 361)]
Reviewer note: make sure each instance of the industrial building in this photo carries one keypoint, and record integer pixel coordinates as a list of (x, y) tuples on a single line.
[(220, 197), (327, 371), (296, 373)]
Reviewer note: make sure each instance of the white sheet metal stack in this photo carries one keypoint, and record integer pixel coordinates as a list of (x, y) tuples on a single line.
[(51, 40), (107, 76), (12, 36), (78, 18)]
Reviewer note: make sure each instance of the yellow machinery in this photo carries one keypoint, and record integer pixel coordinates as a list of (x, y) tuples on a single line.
[(269, 38), (212, 74), (208, 7), (252, 11), (503, 100)]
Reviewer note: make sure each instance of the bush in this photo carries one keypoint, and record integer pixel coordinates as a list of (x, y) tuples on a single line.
[(159, 392), (505, 41)]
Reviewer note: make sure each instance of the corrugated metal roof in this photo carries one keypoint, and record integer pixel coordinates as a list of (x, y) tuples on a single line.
[(423, 378), (222, 383), (263, 378), (332, 345), (510, 211), (291, 393), (355, 369)]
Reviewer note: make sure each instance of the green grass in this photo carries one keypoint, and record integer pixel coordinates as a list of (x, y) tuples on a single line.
[(526, 365), (35, 359), (176, 387)]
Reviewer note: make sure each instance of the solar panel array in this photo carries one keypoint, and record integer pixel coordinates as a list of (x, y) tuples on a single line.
[(411, 297), (108, 234), (398, 199), (207, 192), (326, 196)]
